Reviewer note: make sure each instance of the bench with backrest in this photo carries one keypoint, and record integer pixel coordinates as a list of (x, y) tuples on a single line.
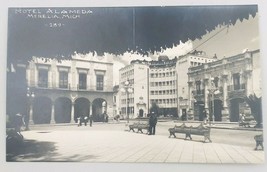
[(246, 121), (139, 126), (188, 131)]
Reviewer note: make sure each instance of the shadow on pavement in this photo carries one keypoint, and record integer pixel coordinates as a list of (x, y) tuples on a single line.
[(36, 151), (30, 150)]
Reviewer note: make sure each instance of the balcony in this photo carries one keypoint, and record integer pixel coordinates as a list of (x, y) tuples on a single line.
[(54, 86), (236, 91)]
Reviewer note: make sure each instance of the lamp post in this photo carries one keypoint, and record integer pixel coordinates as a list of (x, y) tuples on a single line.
[(30, 96), (127, 88)]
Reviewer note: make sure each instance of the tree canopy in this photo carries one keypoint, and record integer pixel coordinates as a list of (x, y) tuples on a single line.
[(59, 32)]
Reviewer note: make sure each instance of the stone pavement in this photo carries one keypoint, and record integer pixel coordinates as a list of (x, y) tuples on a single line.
[(89, 145)]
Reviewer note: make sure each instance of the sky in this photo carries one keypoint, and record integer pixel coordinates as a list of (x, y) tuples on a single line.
[(223, 41)]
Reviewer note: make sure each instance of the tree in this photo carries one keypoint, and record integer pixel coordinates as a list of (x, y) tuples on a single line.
[(255, 105), (154, 108)]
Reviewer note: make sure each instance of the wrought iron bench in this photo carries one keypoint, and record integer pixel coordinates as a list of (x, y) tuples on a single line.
[(139, 126), (246, 121), (188, 131)]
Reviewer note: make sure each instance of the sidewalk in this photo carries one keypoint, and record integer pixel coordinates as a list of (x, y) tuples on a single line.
[(88, 145)]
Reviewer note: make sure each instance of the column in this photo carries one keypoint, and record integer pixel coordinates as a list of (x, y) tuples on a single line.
[(249, 83), (225, 92), (72, 113), (206, 96), (190, 95), (91, 108), (225, 111), (53, 114)]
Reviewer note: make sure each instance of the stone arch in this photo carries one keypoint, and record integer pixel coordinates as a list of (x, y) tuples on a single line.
[(235, 108), (99, 107), (81, 107), (42, 107), (62, 110)]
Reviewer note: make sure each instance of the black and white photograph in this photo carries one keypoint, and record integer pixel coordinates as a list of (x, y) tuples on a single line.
[(178, 84)]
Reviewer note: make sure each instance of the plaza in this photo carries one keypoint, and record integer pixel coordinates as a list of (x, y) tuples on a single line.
[(110, 143)]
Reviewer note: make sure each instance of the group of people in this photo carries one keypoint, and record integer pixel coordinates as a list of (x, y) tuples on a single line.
[(84, 119)]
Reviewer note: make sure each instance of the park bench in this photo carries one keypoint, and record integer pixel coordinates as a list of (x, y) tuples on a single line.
[(259, 141), (246, 121), (188, 131), (139, 126)]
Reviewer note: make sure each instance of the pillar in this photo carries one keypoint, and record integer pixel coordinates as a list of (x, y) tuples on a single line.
[(225, 111), (72, 113), (53, 114), (206, 96)]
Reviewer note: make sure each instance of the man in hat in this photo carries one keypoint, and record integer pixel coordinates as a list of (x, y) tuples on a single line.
[(152, 123)]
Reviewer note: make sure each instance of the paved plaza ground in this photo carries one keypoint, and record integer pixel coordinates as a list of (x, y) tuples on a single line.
[(111, 143)]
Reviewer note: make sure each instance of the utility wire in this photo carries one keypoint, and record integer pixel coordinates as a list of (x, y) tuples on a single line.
[(226, 27)]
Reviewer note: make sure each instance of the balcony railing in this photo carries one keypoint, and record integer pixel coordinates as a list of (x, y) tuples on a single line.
[(198, 92), (49, 85), (235, 91)]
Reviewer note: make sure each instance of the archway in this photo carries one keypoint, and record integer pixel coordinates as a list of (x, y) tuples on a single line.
[(42, 110), (81, 107), (199, 110), (99, 106), (218, 110), (63, 110), (235, 109)]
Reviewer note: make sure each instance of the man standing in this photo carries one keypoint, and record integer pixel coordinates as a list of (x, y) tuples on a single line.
[(152, 123), (91, 120)]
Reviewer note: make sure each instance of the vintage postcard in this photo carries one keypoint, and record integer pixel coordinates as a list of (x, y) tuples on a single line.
[(134, 84)]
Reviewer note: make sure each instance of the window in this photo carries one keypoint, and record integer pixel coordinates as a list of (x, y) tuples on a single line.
[(198, 87), (63, 79), (82, 81), (43, 78), (99, 82), (236, 80), (216, 81)]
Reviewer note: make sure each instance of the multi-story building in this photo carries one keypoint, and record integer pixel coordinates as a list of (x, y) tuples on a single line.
[(134, 102), (220, 87), (163, 85), (167, 81), (64, 90), (184, 62)]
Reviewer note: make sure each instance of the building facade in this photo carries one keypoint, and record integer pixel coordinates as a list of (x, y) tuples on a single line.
[(220, 87), (163, 85), (195, 58), (134, 96), (65, 90)]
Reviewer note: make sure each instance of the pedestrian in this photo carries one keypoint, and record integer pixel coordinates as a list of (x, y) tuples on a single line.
[(106, 118), (85, 120), (80, 120), (152, 123), (91, 120), (19, 122)]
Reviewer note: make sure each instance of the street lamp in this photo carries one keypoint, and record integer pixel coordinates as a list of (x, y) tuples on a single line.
[(127, 88), (30, 96)]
